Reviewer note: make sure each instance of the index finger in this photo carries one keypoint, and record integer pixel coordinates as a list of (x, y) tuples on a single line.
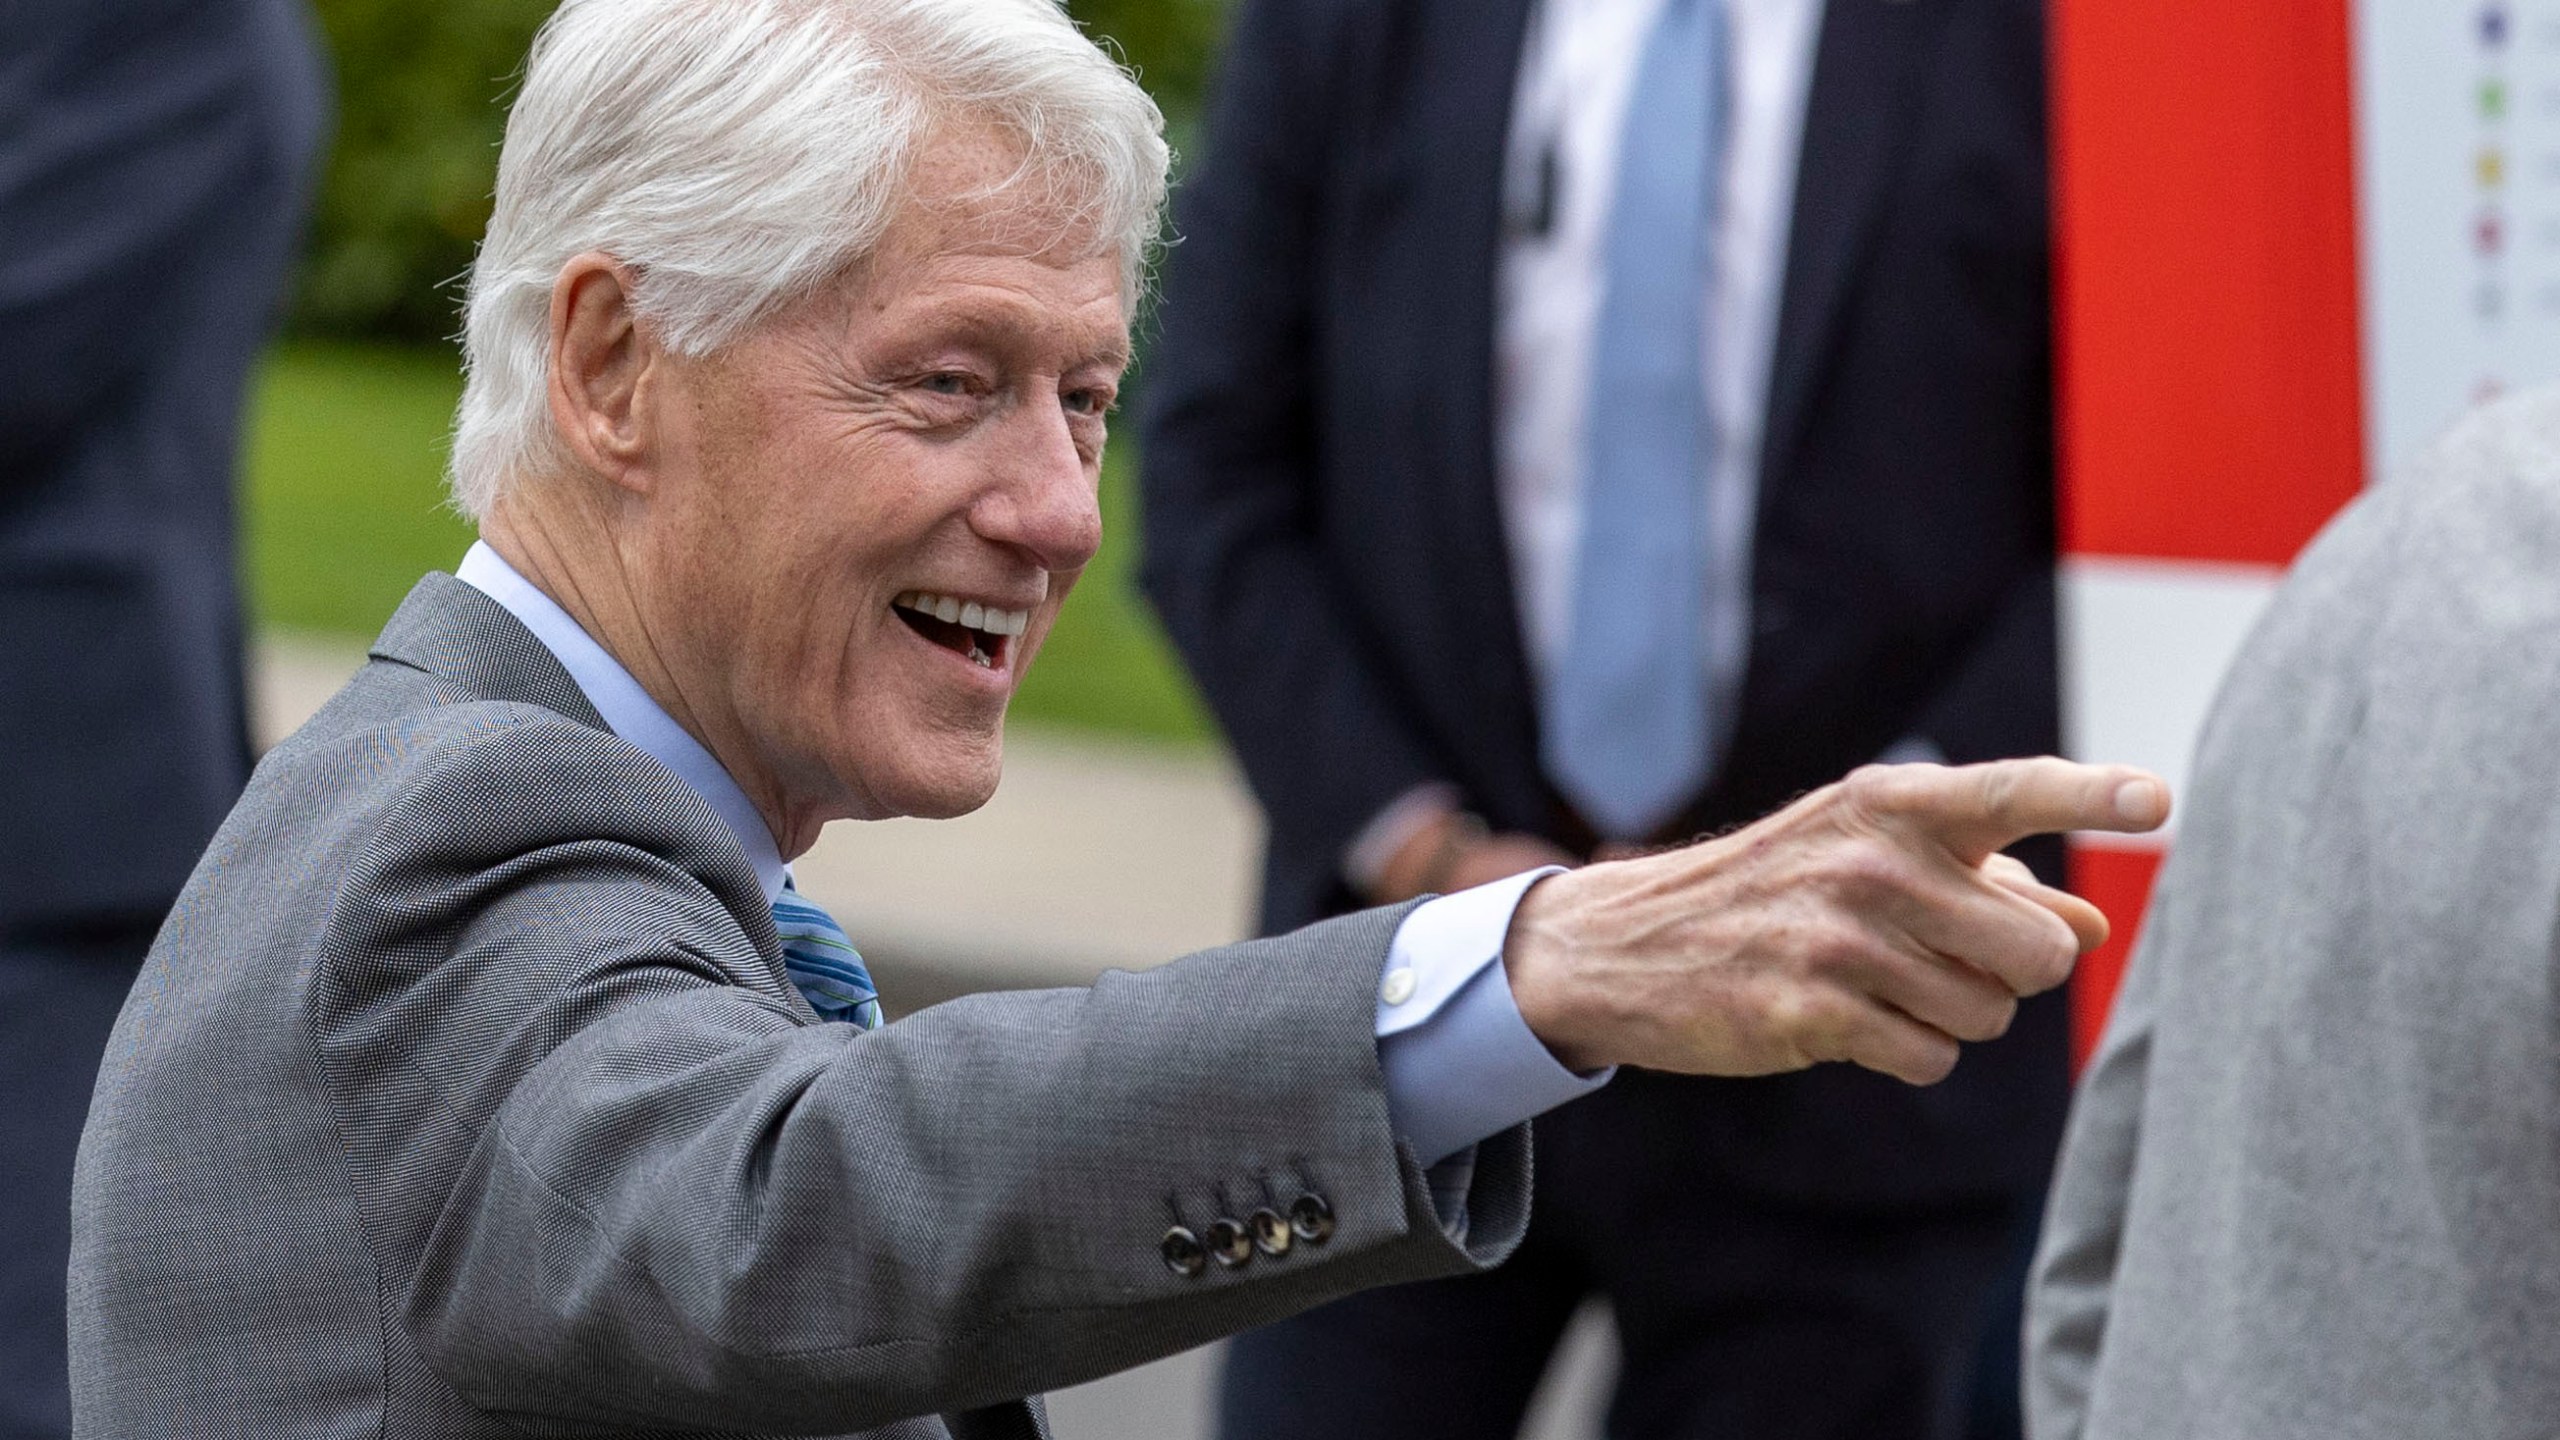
[(1974, 810)]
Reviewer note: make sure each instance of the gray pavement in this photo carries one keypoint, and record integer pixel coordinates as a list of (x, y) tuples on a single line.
[(1094, 854)]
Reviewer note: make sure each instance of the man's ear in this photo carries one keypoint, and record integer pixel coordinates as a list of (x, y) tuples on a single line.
[(605, 371)]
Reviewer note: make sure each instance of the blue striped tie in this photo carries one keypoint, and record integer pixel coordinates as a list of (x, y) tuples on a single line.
[(823, 963), (1627, 734)]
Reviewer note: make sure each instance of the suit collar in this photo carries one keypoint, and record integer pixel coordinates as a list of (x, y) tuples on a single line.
[(1866, 72), (461, 636), (629, 710)]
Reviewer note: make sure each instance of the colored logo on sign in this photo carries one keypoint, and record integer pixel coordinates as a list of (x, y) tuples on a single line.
[(2493, 26), (2490, 234), (2493, 99), (2492, 167)]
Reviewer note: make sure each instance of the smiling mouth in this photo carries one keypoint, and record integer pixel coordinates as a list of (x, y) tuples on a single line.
[(977, 632)]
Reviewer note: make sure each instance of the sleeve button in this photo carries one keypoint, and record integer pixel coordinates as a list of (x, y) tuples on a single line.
[(1312, 1218), (1271, 1233), (1228, 1243), (1183, 1253)]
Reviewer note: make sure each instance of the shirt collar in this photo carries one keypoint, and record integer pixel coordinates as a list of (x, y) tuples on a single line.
[(627, 708)]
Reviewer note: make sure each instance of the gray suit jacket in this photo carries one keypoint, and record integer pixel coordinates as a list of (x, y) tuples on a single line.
[(465, 1095), (2312, 1183)]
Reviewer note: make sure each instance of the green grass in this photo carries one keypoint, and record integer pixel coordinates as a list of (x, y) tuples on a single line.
[(344, 507)]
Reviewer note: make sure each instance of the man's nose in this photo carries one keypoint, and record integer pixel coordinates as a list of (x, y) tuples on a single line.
[(1047, 505)]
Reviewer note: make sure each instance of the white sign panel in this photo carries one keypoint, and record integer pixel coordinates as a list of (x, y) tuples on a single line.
[(2458, 193)]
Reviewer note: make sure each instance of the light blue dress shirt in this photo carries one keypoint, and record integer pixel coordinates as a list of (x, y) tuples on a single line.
[(1459, 1063)]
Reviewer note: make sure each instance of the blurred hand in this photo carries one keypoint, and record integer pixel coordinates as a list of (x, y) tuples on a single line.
[(1872, 921), (1449, 854), (1500, 856)]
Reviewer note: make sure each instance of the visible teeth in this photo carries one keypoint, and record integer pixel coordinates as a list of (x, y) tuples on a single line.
[(985, 660), (976, 615)]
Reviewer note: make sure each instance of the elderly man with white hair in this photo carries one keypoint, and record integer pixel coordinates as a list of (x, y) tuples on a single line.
[(491, 1078)]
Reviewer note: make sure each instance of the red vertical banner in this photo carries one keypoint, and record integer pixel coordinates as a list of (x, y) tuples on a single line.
[(2210, 406)]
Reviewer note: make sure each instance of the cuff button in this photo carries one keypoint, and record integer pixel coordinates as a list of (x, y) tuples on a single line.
[(1271, 1234), (1183, 1253), (1397, 987), (1228, 1243), (1312, 1218)]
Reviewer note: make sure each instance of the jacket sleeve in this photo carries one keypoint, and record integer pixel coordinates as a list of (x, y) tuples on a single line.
[(619, 1175), (1233, 462), (2072, 1282)]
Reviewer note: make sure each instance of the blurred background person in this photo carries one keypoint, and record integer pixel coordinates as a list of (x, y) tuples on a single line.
[(1583, 423), (155, 158), (2309, 1184)]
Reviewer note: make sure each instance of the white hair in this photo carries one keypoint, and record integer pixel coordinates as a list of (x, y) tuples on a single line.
[(739, 154)]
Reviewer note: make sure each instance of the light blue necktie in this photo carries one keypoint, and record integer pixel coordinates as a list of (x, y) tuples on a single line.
[(821, 960), (1626, 733)]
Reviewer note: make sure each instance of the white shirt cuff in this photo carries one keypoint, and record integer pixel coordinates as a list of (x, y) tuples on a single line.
[(1460, 1064)]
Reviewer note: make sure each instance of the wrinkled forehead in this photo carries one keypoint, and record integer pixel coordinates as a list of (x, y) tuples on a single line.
[(974, 188), (981, 244)]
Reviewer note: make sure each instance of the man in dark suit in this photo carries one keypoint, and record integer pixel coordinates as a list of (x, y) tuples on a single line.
[(154, 156), (1404, 376)]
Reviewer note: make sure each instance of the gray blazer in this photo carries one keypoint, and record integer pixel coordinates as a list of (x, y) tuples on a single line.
[(464, 1095), (2312, 1182)]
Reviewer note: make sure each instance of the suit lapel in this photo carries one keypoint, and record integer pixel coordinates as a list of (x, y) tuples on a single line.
[(1866, 72)]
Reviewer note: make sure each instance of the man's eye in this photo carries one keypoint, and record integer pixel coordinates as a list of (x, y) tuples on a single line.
[(1089, 402), (948, 382)]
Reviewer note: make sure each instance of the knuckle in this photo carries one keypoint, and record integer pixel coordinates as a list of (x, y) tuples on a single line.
[(1873, 868), (1870, 787), (1990, 1020), (1999, 793), (1806, 1020), (2026, 953), (1835, 951), (2046, 959), (2060, 957), (1935, 1062), (1788, 1011)]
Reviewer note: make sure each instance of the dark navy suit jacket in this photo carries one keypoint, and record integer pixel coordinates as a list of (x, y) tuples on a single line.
[(153, 159), (1321, 527)]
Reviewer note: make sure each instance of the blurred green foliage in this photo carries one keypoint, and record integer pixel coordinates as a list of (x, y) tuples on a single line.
[(407, 189), (421, 94)]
